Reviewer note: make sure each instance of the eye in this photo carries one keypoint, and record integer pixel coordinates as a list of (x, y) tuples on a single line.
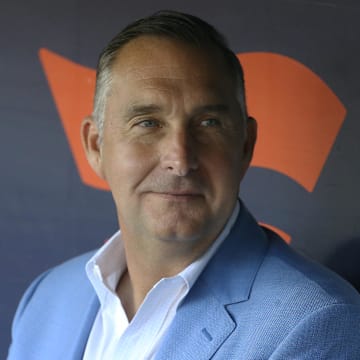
[(210, 122), (148, 123)]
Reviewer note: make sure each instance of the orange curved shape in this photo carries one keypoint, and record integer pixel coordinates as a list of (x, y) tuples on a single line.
[(299, 116), (72, 87)]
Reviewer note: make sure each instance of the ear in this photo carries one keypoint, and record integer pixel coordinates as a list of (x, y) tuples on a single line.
[(90, 140), (251, 127), (249, 144)]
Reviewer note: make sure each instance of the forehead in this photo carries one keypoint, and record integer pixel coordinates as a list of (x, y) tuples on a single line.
[(150, 57)]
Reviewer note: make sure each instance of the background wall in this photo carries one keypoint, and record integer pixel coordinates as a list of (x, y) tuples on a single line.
[(302, 56)]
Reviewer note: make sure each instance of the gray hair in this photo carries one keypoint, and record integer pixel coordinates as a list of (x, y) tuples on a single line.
[(172, 24)]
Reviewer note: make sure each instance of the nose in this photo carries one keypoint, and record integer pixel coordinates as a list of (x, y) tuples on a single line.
[(178, 153)]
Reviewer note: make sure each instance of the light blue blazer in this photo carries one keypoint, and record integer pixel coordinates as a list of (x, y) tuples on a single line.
[(256, 299)]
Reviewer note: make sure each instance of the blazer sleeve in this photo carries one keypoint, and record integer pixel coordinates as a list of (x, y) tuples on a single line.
[(331, 332)]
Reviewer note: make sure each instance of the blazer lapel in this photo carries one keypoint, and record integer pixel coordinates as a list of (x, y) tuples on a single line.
[(200, 327), (203, 322)]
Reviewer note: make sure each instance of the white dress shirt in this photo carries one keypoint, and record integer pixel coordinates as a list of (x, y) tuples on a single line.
[(112, 336)]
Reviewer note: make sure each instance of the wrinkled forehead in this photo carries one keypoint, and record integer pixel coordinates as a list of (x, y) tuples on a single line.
[(171, 84)]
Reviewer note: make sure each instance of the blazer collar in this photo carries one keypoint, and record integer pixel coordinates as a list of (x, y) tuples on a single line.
[(232, 271), (202, 322), (83, 321)]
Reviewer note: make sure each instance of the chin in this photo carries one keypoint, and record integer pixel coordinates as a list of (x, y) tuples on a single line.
[(180, 231)]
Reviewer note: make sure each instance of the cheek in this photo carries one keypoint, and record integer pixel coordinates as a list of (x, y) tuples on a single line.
[(224, 170), (126, 165), (226, 156)]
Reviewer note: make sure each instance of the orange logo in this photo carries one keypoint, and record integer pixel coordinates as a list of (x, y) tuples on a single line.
[(299, 115)]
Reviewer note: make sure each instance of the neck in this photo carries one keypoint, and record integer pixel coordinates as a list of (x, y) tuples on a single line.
[(148, 265)]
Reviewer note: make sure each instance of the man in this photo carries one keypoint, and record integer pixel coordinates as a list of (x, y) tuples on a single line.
[(191, 275)]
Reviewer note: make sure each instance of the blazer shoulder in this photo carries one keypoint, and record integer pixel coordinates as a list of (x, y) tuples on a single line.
[(293, 272), (67, 277), (67, 274)]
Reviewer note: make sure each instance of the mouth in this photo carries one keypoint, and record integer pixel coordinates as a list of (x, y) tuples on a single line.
[(178, 195)]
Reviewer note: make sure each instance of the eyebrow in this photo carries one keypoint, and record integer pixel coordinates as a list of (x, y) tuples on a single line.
[(138, 109)]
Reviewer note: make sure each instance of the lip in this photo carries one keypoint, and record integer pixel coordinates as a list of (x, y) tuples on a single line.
[(178, 195)]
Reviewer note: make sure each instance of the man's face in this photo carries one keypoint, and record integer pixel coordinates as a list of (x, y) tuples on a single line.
[(174, 147)]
